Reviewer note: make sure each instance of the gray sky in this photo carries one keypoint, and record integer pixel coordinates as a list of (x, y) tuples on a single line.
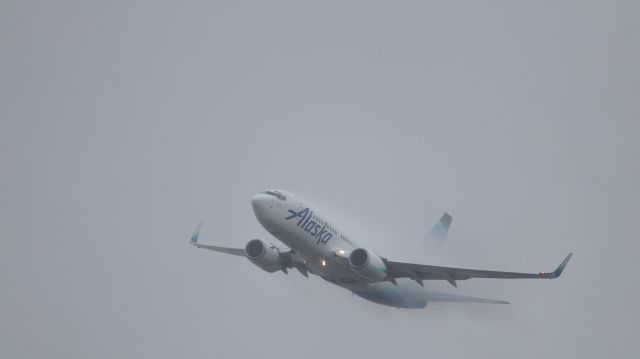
[(124, 123)]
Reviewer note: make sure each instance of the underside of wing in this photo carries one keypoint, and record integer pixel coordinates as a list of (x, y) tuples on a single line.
[(419, 272), (234, 251)]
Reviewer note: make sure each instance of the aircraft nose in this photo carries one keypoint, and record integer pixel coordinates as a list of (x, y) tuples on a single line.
[(260, 203)]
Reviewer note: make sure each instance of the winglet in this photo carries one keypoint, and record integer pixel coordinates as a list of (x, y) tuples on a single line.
[(196, 234), (558, 271)]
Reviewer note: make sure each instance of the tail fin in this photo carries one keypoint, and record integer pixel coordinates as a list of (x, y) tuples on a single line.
[(439, 231)]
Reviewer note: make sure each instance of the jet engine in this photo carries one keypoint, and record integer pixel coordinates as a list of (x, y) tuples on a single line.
[(368, 264), (264, 255)]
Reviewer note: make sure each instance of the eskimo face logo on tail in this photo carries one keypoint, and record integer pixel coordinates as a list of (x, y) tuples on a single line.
[(320, 233)]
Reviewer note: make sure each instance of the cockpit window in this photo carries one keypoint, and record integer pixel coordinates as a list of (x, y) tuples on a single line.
[(278, 195)]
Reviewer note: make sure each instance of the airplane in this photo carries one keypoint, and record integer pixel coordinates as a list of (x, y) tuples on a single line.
[(320, 247)]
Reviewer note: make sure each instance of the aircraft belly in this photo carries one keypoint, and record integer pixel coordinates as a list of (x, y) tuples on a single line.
[(333, 269), (407, 294)]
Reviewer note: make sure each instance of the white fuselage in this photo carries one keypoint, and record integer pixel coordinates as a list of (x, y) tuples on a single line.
[(323, 247)]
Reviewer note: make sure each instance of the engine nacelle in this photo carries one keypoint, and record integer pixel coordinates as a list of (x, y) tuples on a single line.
[(368, 264), (264, 255)]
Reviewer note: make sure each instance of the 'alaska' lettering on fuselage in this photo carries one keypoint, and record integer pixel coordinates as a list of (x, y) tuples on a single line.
[(320, 233)]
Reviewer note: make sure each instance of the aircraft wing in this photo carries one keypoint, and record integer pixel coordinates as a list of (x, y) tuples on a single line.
[(289, 258), (419, 272), (234, 251)]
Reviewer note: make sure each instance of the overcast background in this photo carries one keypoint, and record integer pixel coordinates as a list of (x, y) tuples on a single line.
[(122, 124)]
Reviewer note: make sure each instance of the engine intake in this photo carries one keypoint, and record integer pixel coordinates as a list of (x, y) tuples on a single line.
[(264, 255), (368, 265)]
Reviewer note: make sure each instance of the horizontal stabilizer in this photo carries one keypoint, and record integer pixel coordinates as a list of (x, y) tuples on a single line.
[(448, 297)]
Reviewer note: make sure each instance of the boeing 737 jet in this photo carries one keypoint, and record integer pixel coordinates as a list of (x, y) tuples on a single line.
[(318, 246)]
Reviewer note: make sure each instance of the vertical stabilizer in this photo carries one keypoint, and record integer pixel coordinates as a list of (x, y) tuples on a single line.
[(439, 232)]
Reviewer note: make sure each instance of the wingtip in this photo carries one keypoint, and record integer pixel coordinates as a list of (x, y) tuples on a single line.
[(560, 269), (196, 234)]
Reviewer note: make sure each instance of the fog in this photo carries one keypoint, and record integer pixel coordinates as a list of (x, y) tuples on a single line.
[(123, 124)]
